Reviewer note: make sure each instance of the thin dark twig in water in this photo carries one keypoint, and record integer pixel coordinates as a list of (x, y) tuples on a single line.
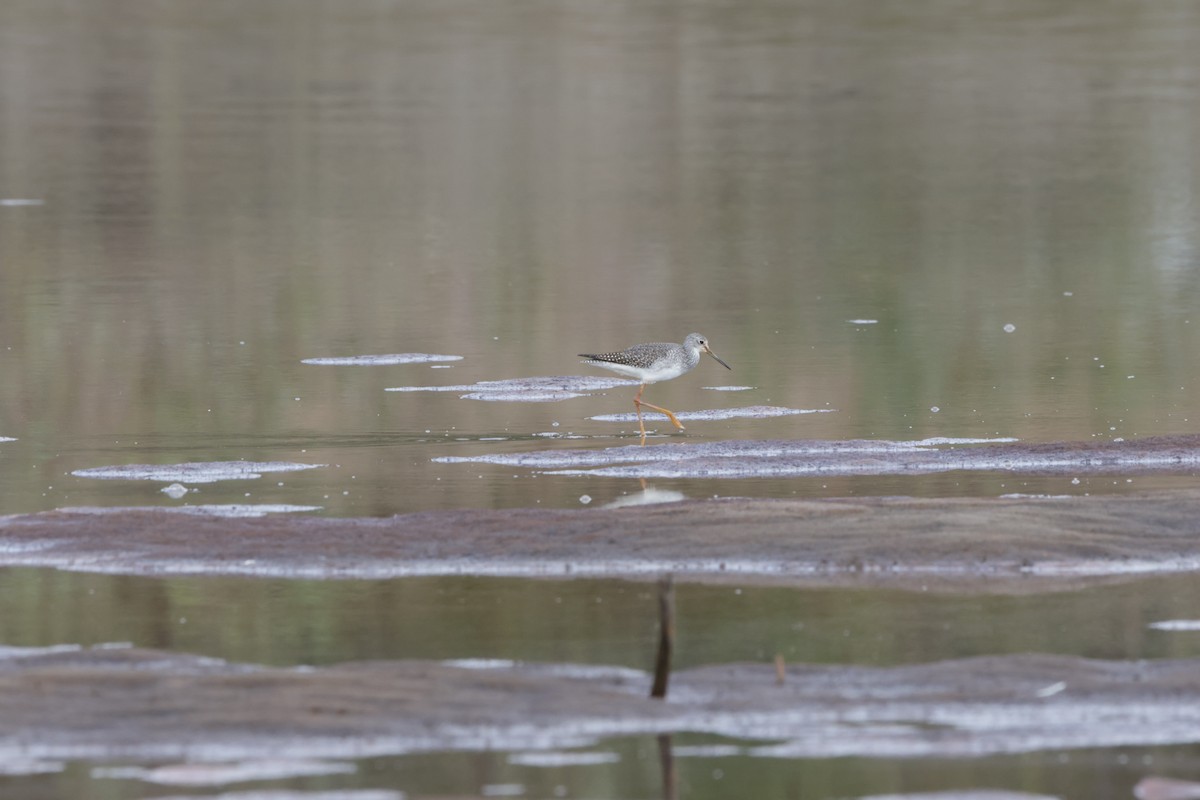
[(666, 759), (666, 636)]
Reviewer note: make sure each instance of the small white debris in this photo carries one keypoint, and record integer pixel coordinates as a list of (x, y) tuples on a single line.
[(1009, 328), (585, 498), (1176, 625), (175, 491), (564, 758), (711, 750)]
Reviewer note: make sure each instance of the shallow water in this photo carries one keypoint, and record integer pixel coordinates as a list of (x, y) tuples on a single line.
[(603, 623), (978, 229), (282, 622), (929, 220), (637, 772)]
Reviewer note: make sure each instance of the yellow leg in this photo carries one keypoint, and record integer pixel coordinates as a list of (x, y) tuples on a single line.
[(674, 420), (637, 403)]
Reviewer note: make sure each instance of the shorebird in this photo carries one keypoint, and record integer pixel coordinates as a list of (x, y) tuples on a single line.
[(653, 362)]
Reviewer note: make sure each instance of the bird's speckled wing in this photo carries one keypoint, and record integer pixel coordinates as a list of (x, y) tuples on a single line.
[(640, 355)]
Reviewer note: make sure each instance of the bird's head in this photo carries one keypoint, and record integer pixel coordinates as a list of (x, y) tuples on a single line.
[(697, 341)]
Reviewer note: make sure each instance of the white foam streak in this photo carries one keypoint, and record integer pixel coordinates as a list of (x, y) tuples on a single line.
[(544, 389), (30, 766), (712, 415), (380, 360), (192, 472), (209, 774), (12, 651), (533, 396), (963, 794), (295, 794), (231, 510), (666, 452), (120, 564)]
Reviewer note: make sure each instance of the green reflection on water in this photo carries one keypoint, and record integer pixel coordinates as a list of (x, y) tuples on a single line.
[(602, 622), (231, 188), (1101, 774), (516, 183)]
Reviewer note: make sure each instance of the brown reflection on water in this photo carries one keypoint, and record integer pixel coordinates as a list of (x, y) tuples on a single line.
[(231, 188)]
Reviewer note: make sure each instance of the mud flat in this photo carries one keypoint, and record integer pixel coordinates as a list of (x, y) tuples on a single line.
[(110, 703), (997, 544)]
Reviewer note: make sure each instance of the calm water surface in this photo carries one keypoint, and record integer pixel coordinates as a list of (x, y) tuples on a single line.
[(612, 622), (225, 190), (636, 772), (938, 218), (585, 621)]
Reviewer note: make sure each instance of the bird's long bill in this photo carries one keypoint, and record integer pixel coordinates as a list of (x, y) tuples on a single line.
[(708, 350)]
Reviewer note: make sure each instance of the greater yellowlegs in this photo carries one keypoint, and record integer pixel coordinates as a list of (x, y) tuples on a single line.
[(653, 362)]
